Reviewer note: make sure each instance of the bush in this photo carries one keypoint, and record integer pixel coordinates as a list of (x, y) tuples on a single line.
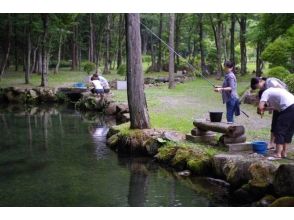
[(278, 72), (122, 70), (89, 67), (290, 82), (146, 59)]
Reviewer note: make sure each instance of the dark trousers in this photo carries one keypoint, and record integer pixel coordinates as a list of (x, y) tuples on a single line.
[(232, 108), (284, 128)]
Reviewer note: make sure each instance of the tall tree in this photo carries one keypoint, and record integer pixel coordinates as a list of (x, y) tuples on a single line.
[(171, 52), (44, 77), (139, 116), (243, 27), (7, 46), (29, 48), (232, 39), (107, 43), (159, 51), (120, 39), (201, 46)]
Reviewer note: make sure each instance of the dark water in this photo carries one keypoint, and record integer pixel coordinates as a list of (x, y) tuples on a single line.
[(58, 157)]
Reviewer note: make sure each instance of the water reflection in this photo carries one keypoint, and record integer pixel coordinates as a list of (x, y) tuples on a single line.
[(98, 134)]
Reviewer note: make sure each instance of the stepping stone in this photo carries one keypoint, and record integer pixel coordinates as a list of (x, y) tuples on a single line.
[(205, 138), (246, 146)]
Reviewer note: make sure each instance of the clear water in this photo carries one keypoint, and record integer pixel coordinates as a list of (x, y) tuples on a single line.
[(58, 157)]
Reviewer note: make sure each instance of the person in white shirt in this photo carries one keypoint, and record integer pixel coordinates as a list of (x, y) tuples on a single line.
[(103, 81), (265, 83), (281, 101), (98, 88)]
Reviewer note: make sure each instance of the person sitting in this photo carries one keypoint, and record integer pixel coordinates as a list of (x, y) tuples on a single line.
[(283, 102), (263, 83), (98, 88), (103, 81)]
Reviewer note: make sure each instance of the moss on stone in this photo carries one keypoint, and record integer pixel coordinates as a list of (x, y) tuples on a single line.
[(112, 141), (165, 154), (287, 201), (261, 176)]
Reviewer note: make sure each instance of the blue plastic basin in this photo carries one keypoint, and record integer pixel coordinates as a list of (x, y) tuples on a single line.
[(259, 147)]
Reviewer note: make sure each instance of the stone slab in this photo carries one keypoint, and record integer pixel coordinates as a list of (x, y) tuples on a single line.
[(203, 138), (246, 146), (121, 85)]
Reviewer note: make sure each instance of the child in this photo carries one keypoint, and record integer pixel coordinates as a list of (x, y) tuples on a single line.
[(98, 88)]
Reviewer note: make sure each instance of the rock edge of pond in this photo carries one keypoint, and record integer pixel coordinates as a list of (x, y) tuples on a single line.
[(253, 179)]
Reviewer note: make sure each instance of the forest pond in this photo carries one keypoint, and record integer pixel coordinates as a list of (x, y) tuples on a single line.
[(58, 157)]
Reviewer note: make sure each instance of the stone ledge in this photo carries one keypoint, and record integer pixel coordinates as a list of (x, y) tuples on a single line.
[(246, 146)]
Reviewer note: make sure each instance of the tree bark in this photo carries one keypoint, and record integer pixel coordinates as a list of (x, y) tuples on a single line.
[(232, 39), (107, 42), (159, 55), (259, 62), (243, 23), (217, 28), (59, 53), (44, 79), (171, 52), (29, 48), (91, 40), (74, 54), (139, 116), (120, 39), (202, 55), (179, 18), (7, 51)]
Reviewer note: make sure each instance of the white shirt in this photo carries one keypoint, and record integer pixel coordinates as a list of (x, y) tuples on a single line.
[(277, 98), (97, 84), (274, 82), (104, 82)]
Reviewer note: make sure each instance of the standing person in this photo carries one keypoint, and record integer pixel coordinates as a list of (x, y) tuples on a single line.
[(282, 101), (263, 83), (229, 92), (103, 81)]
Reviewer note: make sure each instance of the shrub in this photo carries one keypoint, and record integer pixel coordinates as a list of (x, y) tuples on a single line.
[(122, 70), (89, 67), (278, 72), (290, 82)]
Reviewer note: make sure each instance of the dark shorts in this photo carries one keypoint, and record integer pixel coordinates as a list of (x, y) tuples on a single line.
[(274, 120), (106, 90), (97, 91), (284, 128)]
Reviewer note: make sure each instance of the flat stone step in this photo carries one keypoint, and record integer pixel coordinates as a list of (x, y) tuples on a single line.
[(246, 146), (203, 138)]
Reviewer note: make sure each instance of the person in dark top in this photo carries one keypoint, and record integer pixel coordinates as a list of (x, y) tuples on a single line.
[(229, 92)]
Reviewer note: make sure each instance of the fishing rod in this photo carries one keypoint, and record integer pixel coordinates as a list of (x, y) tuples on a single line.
[(190, 65), (172, 49)]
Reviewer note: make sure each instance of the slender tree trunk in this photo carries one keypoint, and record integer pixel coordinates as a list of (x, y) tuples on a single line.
[(44, 80), (243, 24), (16, 52), (59, 53), (7, 51), (171, 52), (29, 48), (120, 39), (74, 49), (232, 39), (159, 55), (217, 36), (91, 40), (202, 55), (259, 62), (179, 18), (139, 116), (107, 42)]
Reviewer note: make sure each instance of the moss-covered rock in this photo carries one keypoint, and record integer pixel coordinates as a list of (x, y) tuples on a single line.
[(166, 154), (112, 141), (286, 201), (266, 201)]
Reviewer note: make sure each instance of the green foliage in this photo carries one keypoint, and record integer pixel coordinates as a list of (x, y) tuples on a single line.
[(61, 97), (89, 67), (278, 72), (146, 59), (290, 82), (122, 70)]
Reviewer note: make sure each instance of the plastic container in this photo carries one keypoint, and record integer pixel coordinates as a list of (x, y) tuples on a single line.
[(259, 147), (215, 116)]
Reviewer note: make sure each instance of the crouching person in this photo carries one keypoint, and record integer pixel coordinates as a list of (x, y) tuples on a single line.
[(98, 88), (283, 102)]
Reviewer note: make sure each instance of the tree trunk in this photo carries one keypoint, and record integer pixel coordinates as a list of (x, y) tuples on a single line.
[(74, 49), (91, 40), (16, 53), (217, 28), (179, 18), (171, 67), (8, 46), (44, 80), (159, 55), (202, 55), (120, 39), (107, 42), (59, 53), (29, 48), (259, 62), (243, 24), (139, 116), (232, 40)]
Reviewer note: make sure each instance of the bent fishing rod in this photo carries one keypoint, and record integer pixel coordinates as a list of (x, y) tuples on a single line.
[(172, 49), (190, 65)]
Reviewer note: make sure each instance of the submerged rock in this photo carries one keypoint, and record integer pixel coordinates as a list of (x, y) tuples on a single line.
[(284, 180), (283, 202), (266, 201)]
